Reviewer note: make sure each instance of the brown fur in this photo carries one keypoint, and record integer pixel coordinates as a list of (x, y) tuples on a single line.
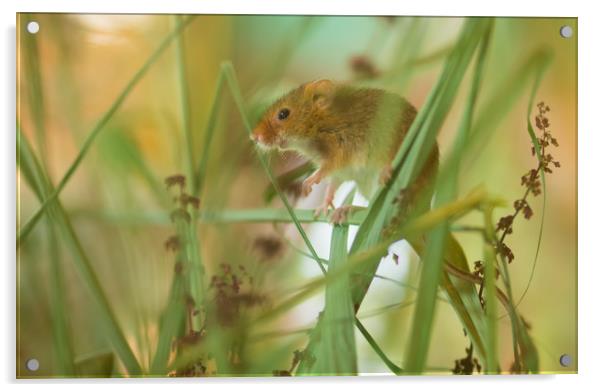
[(342, 129)]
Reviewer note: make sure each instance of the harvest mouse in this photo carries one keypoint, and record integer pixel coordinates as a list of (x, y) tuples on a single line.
[(349, 133)]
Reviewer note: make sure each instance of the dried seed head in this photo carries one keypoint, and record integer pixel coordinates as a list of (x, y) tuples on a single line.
[(178, 267), (468, 364), (268, 247), (180, 213), (186, 199), (176, 179), (232, 294), (172, 243), (363, 67)]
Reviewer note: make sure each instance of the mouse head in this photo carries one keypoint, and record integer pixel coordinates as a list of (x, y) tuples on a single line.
[(295, 117)]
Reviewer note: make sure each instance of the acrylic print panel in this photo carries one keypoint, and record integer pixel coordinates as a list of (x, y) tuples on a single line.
[(291, 195)]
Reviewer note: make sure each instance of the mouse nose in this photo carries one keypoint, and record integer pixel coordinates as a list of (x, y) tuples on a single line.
[(257, 137)]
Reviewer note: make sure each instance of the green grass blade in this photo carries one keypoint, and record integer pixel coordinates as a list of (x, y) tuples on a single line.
[(461, 295), (485, 330), (336, 352), (186, 231), (383, 357), (61, 221), (105, 314), (100, 125), (526, 357), (491, 360), (29, 167), (235, 91), (62, 346), (61, 333), (252, 215), (171, 323), (208, 135), (184, 101), (430, 277), (35, 92), (196, 269), (407, 161), (60, 326), (437, 240)]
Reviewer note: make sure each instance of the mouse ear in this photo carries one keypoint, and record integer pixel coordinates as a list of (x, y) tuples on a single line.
[(321, 92)]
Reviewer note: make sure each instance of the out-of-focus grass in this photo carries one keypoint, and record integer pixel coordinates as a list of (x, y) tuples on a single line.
[(102, 122), (29, 164), (47, 195), (188, 338), (446, 191)]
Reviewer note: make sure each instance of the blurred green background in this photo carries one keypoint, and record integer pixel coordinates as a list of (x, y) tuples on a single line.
[(120, 210)]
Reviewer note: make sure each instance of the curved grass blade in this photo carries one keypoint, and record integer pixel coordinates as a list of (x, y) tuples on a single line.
[(61, 221), (409, 158), (438, 239), (394, 368), (62, 346), (34, 176), (461, 295)]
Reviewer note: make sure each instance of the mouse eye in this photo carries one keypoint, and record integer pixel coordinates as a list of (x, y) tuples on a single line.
[(283, 114)]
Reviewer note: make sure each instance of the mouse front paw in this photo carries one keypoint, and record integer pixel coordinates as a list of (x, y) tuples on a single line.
[(339, 216), (309, 183), (306, 187)]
